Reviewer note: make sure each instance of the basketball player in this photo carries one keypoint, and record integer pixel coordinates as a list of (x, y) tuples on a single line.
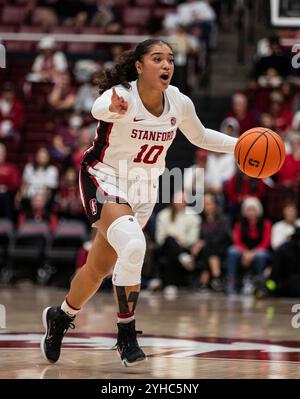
[(139, 113)]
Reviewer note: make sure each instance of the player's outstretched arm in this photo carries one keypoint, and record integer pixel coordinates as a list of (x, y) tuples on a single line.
[(111, 105), (198, 135), (118, 104)]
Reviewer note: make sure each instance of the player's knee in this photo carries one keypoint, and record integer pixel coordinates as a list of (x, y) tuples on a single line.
[(134, 252), (126, 237)]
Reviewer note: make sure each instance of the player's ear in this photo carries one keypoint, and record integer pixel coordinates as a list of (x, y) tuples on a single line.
[(138, 66)]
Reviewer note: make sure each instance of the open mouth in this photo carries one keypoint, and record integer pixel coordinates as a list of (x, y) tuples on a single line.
[(164, 77)]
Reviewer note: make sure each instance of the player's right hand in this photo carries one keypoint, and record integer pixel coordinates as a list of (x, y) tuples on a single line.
[(118, 104)]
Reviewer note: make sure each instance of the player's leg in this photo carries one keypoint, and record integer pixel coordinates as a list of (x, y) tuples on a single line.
[(57, 320), (100, 262), (127, 239), (125, 235)]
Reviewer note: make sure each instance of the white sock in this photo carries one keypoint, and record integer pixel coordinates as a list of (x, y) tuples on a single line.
[(68, 309), (125, 319)]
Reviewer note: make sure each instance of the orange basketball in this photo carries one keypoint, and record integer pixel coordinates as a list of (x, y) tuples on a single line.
[(259, 152)]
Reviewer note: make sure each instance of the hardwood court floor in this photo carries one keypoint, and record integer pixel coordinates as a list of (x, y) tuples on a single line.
[(194, 336)]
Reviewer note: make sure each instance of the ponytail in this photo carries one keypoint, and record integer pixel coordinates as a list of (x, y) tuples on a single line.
[(125, 71), (122, 73)]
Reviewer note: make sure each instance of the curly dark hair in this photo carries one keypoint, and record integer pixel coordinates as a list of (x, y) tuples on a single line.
[(125, 71)]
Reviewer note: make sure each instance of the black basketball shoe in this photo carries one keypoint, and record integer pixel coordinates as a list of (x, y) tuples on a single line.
[(56, 323), (127, 345)]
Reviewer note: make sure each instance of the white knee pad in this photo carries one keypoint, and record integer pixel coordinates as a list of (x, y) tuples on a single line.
[(127, 238)]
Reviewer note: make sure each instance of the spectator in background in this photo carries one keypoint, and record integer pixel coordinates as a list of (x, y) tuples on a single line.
[(281, 115), (11, 113), (284, 279), (184, 45), (220, 167), (64, 141), (296, 122), (115, 52), (267, 121), (177, 230), (210, 249), (63, 95), (38, 177), (250, 249), (38, 212), (104, 14), (9, 184), (194, 177), (282, 230), (238, 188), (276, 60), (67, 201), (230, 126), (289, 174), (87, 94), (271, 79), (84, 142), (199, 13), (49, 63), (241, 113), (40, 12), (288, 90)]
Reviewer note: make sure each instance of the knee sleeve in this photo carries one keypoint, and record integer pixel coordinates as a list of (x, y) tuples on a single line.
[(127, 238)]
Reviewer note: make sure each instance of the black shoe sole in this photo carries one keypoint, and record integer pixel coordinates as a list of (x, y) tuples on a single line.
[(126, 363), (42, 344)]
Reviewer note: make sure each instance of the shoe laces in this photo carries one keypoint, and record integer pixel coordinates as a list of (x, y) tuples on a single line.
[(127, 338), (59, 328)]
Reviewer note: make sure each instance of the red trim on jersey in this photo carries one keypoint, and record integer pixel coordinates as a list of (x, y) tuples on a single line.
[(94, 163), (104, 192), (82, 192), (107, 142), (95, 140)]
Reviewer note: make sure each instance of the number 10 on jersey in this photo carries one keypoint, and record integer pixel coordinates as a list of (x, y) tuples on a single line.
[(149, 154)]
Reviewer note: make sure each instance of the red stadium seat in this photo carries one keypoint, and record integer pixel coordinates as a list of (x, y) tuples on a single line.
[(162, 12), (120, 3), (131, 30), (63, 29), (8, 28), (29, 29), (136, 16), (80, 47), (92, 30), (13, 45), (12, 15), (145, 3)]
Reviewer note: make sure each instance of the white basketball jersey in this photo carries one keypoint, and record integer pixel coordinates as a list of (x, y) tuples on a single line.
[(135, 144)]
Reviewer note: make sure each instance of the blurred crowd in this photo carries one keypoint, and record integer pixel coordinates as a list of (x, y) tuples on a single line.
[(246, 239)]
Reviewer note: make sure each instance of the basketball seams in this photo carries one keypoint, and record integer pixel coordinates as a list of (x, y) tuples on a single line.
[(266, 153), (249, 149), (280, 155), (242, 138)]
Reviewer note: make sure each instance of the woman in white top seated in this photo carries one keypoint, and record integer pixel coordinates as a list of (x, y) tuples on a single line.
[(177, 230), (282, 230)]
